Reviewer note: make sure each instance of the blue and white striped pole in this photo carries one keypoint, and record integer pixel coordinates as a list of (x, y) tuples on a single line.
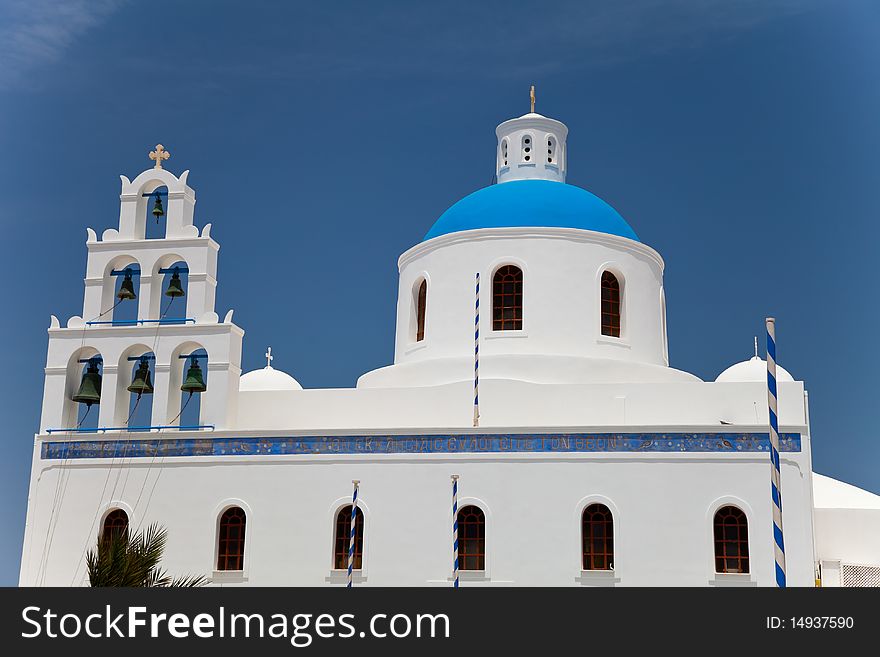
[(477, 354), (455, 530), (354, 506), (775, 476)]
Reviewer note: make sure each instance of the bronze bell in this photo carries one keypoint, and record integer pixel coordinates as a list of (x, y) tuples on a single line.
[(142, 384), (194, 381), (126, 290), (90, 388), (175, 289), (158, 210)]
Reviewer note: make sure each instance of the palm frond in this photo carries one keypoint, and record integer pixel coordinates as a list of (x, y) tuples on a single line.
[(189, 581), (132, 560)]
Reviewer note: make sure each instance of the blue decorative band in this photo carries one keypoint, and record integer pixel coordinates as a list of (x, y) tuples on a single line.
[(421, 444)]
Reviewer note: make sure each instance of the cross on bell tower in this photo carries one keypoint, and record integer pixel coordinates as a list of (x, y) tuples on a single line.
[(158, 155)]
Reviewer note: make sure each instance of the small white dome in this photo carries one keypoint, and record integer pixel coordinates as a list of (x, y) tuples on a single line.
[(754, 369), (830, 493), (267, 378)]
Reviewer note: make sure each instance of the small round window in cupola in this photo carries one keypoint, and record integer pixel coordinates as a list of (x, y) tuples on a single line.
[(527, 148), (551, 149), (504, 152)]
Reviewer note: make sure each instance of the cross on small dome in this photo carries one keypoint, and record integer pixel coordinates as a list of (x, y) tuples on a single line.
[(267, 378)]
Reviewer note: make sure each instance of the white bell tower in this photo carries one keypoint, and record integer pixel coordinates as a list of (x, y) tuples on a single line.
[(166, 326), (531, 147)]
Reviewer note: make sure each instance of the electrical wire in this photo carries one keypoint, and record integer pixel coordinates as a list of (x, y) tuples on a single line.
[(58, 498), (153, 458), (153, 350), (122, 464), (155, 345), (125, 451), (153, 488), (50, 527), (158, 476), (144, 485), (91, 527)]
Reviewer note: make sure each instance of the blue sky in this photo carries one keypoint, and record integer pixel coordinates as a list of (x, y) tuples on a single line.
[(738, 138)]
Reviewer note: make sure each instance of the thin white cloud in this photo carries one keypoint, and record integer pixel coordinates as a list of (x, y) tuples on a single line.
[(38, 32)]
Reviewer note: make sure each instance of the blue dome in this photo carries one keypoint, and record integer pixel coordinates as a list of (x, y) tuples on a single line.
[(532, 203)]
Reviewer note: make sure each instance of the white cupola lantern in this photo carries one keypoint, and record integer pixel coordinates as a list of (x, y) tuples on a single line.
[(531, 147)]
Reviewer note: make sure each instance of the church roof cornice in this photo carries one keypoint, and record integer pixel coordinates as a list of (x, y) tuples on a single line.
[(151, 244), (567, 234)]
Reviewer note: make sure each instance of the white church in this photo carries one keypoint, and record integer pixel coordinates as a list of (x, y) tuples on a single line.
[(582, 457)]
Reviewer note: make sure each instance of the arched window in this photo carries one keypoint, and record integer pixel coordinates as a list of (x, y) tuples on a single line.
[(343, 538), (115, 524), (731, 541), (507, 299), (597, 538), (551, 149), (421, 306), (230, 551), (610, 305), (471, 538), (527, 148)]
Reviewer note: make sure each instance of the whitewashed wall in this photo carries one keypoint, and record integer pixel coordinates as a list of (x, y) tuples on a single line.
[(662, 503), (562, 271)]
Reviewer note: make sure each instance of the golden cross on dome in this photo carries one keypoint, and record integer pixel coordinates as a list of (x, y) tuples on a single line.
[(269, 357), (159, 154), (532, 98)]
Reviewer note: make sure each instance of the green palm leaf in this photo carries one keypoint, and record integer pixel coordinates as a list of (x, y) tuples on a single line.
[(132, 560)]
